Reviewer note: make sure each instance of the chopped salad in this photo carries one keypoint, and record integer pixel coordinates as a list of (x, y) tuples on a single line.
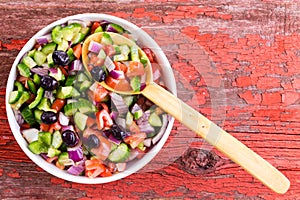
[(72, 121)]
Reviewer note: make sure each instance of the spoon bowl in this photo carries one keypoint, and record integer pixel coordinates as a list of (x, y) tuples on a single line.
[(213, 134)]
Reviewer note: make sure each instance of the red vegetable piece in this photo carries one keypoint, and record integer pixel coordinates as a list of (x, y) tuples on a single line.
[(149, 54), (135, 69)]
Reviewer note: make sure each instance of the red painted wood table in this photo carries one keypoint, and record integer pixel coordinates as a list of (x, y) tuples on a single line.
[(237, 62)]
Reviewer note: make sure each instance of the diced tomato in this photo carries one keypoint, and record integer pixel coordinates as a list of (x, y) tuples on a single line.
[(120, 66), (95, 61), (106, 173), (103, 119), (31, 99), (44, 127), (22, 79), (54, 127), (134, 128), (58, 104), (123, 85), (135, 69), (99, 93), (25, 126), (149, 54), (59, 165), (135, 139), (94, 168), (63, 70), (104, 106), (95, 26), (77, 50), (92, 164), (111, 82)]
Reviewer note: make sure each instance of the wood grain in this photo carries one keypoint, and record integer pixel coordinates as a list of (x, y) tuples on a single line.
[(236, 62)]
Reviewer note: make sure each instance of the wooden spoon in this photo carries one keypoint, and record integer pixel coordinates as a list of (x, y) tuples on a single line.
[(213, 134)]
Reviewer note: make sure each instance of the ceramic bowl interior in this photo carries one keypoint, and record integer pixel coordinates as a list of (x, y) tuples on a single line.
[(145, 40)]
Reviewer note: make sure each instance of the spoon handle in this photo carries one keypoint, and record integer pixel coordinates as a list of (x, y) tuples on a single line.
[(223, 141)]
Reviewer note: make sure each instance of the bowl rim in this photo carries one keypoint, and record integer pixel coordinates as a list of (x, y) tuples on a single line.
[(138, 34)]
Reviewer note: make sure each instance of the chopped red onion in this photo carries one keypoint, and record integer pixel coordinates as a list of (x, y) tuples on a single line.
[(114, 140), (94, 47), (144, 118), (117, 74), (119, 103), (63, 119), (146, 128), (64, 128), (156, 75), (53, 70), (18, 117), (114, 115), (76, 169), (109, 64), (40, 71), (76, 65), (44, 155), (135, 108), (133, 154), (44, 39), (121, 122), (75, 154), (162, 130), (110, 28)]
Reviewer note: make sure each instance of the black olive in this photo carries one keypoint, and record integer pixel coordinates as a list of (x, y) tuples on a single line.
[(118, 132), (92, 141), (70, 138), (49, 117), (98, 74), (49, 83), (60, 58)]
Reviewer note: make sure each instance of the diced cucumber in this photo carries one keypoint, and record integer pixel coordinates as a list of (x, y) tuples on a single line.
[(75, 93), (38, 98), (138, 114), (45, 137), (101, 54), (117, 27), (117, 49), (70, 109), (49, 48), (70, 53), (63, 46), (31, 53), (39, 58), (78, 37), (134, 53), (120, 154), (37, 114), (24, 70), (69, 31), (56, 139), (144, 60), (50, 61), (98, 29), (25, 96), (45, 105), (85, 106), (80, 120), (29, 62), (14, 96), (120, 57), (36, 79), (31, 86), (64, 159), (53, 152), (154, 120), (135, 83), (124, 49), (128, 99), (37, 147), (64, 92), (106, 39), (56, 34), (84, 85), (20, 86), (129, 119), (28, 116)]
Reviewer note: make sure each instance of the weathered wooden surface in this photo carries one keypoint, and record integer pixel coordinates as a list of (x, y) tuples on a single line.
[(238, 63)]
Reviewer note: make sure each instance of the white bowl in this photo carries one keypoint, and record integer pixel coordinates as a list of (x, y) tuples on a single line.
[(132, 167)]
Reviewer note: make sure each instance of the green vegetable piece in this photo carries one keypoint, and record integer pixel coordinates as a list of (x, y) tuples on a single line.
[(14, 96), (135, 83), (63, 46), (31, 53), (117, 27), (106, 39), (64, 92), (37, 147), (38, 114), (82, 77), (144, 60), (58, 75), (20, 86), (56, 34), (31, 86), (138, 114), (124, 49), (75, 93), (154, 120), (38, 98), (50, 61), (70, 109), (70, 53), (84, 85), (80, 120), (49, 48), (25, 96), (29, 61), (45, 105), (56, 139), (128, 99), (134, 52), (28, 116), (40, 58), (120, 57), (98, 29), (63, 158), (45, 137), (69, 31), (70, 80), (36, 79), (129, 119), (102, 54), (24, 70), (120, 154), (53, 152)]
